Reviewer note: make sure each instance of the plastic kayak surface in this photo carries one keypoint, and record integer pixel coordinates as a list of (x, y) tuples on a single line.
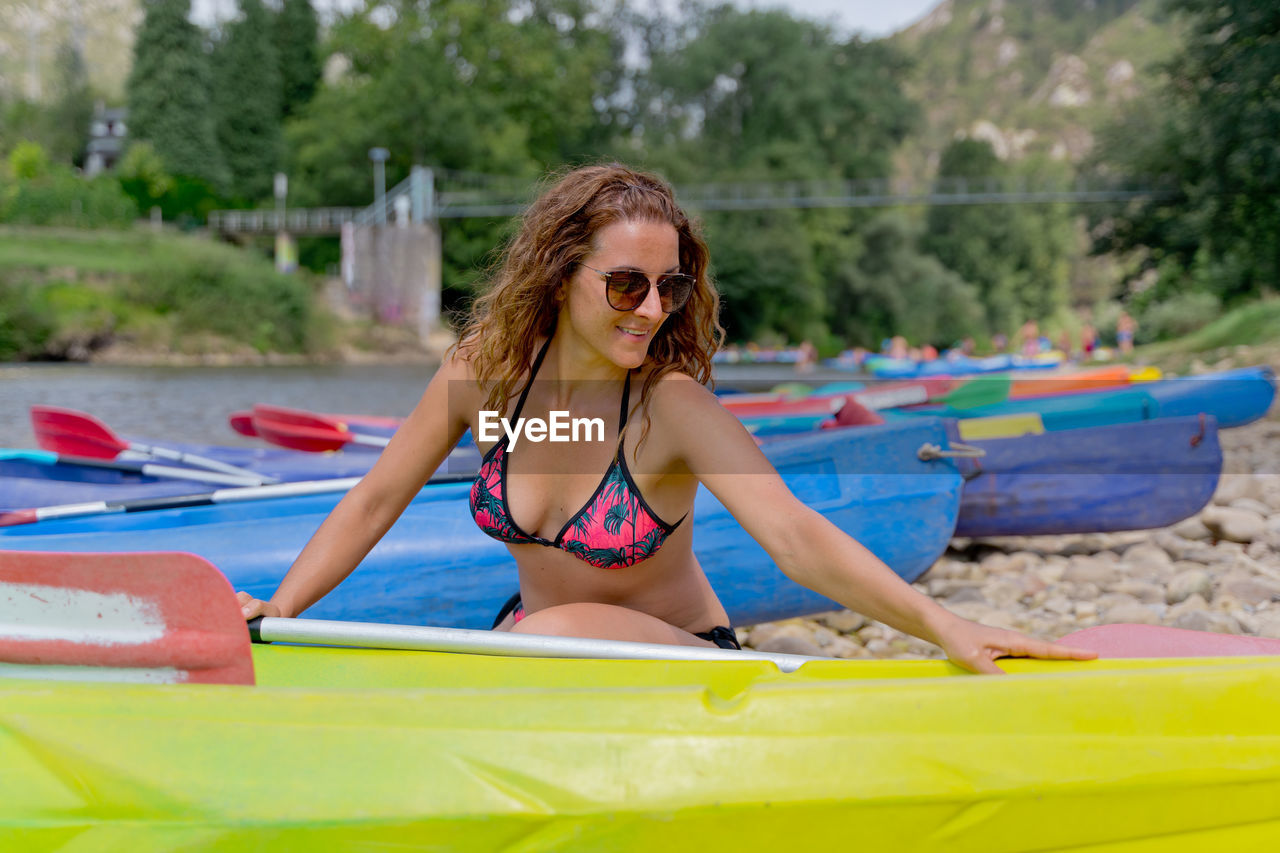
[(404, 749), (1091, 480), (435, 567)]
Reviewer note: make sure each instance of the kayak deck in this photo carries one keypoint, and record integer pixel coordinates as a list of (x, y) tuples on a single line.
[(339, 747)]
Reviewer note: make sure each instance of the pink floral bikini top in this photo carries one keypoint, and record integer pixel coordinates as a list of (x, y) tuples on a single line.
[(615, 529)]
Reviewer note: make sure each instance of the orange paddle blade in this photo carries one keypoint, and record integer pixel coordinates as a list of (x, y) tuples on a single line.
[(140, 617)]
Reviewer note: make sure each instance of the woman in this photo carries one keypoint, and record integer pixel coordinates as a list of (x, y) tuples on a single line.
[(603, 298)]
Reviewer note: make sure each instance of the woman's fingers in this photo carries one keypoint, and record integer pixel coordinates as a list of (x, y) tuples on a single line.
[(251, 607)]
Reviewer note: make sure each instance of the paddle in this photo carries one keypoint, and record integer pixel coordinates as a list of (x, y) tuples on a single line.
[(173, 617), (146, 469), (298, 429), (151, 617), (218, 496), (231, 495), (370, 635), (242, 422), (80, 434)]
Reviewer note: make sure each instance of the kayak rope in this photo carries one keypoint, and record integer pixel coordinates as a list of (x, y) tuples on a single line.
[(928, 452)]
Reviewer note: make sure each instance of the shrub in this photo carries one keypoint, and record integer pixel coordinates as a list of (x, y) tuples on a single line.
[(1177, 316)]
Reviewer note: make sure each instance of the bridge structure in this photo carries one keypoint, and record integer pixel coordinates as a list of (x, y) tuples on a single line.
[(418, 198), (391, 250)]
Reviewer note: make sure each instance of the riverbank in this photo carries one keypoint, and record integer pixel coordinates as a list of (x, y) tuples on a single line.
[(1216, 571)]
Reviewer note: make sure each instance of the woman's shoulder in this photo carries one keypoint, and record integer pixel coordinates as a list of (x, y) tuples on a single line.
[(676, 393)]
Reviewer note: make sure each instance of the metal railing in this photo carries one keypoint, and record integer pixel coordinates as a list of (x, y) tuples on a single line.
[(416, 198)]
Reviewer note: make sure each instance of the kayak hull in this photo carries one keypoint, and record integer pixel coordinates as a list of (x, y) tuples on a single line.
[(470, 753), (1091, 480)]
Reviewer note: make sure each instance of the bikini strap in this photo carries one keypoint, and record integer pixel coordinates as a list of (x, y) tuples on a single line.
[(626, 396), (533, 372)]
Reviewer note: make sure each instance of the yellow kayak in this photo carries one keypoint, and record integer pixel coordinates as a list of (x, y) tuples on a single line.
[(348, 748)]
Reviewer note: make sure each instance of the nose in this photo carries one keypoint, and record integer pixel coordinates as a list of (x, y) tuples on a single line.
[(651, 307)]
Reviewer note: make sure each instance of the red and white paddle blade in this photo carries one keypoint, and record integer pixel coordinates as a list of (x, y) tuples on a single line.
[(242, 422), (74, 433), (1156, 641), (135, 617)]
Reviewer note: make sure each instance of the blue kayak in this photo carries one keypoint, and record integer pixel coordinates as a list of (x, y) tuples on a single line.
[(435, 567), (1233, 397), (1091, 480)]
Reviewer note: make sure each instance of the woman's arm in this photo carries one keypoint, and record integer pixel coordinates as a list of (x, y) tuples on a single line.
[(361, 518), (810, 550)]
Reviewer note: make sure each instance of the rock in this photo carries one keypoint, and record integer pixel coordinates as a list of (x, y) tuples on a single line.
[(1207, 620), (1252, 505), (995, 563), (1233, 487), (1235, 525), (1190, 528), (1145, 555), (843, 621), (1253, 591), (1186, 584), (1190, 605), (1060, 605), (1130, 612), (789, 644), (968, 594), (1269, 626), (1003, 592), (1086, 610), (1147, 593), (843, 647), (1084, 569)]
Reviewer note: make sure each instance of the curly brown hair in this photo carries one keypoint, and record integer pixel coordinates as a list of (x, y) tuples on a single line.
[(556, 232)]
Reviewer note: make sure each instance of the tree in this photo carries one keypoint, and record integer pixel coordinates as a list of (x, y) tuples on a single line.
[(168, 93), (1215, 131), (72, 111), (246, 102), (1016, 255), (296, 35)]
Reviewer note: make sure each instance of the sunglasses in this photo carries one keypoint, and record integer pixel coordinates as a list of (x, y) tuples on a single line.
[(627, 289)]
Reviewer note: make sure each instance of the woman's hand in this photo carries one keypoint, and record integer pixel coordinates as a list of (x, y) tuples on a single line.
[(252, 607), (976, 647)]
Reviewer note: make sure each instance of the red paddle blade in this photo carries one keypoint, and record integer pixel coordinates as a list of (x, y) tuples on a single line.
[(1156, 641), (146, 617), (74, 433), (298, 429), (242, 422)]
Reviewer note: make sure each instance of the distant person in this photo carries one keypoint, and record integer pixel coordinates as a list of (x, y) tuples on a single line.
[(1125, 327), (1065, 344), (898, 347), (1029, 337), (807, 358), (1088, 340), (999, 342)]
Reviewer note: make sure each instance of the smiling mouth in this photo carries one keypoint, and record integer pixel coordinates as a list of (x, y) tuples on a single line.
[(633, 332)]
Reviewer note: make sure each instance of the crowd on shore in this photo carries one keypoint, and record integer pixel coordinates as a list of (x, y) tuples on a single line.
[(1216, 571)]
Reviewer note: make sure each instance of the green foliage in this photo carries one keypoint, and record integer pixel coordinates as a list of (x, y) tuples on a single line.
[(295, 34), (1178, 316), (246, 102), (209, 288), (1018, 257), (142, 175), (168, 93), (893, 289), (25, 323), (56, 196), (1216, 128), (28, 161), (166, 290), (72, 111)]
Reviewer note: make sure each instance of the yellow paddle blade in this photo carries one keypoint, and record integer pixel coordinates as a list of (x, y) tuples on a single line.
[(1146, 374), (1001, 426)]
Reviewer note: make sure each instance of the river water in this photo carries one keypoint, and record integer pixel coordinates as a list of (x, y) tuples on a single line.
[(192, 403)]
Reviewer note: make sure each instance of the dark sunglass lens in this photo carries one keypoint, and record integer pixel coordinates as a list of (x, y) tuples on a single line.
[(627, 289), (675, 291)]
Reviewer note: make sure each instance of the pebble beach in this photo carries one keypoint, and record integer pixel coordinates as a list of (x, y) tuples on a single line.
[(1218, 570)]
